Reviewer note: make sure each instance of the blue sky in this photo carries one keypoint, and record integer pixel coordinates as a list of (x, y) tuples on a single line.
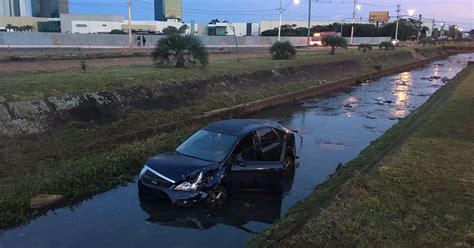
[(453, 11)]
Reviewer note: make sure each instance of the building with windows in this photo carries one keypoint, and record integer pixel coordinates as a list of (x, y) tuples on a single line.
[(49, 8), (168, 9), (90, 24), (15, 8)]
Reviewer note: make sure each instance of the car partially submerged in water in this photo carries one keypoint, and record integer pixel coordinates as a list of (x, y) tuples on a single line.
[(230, 155)]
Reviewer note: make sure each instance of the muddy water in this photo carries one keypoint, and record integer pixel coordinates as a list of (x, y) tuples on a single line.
[(332, 130)]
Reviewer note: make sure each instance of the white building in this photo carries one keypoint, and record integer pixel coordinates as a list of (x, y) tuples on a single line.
[(15, 7), (5, 8), (225, 29), (90, 24)]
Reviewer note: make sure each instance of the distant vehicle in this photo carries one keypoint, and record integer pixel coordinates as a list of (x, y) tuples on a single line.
[(230, 155), (395, 42), (317, 39)]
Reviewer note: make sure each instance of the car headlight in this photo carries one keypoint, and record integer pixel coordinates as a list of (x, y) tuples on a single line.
[(190, 186)]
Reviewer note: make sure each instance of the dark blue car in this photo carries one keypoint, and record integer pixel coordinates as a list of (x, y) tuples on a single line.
[(225, 156)]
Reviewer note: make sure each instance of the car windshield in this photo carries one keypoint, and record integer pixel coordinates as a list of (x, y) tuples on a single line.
[(207, 145)]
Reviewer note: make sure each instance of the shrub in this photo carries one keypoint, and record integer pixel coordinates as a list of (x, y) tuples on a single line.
[(429, 40), (282, 50), (118, 31), (386, 45), (365, 47), (335, 41), (181, 50)]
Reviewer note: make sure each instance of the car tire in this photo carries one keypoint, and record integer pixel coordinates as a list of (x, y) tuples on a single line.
[(217, 196)]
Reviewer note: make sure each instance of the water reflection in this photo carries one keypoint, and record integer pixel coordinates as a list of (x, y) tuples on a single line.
[(241, 209), (401, 88)]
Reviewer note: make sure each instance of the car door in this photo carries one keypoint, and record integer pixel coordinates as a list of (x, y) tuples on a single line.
[(254, 169)]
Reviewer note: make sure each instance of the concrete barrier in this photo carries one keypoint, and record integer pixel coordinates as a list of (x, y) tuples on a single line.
[(48, 40)]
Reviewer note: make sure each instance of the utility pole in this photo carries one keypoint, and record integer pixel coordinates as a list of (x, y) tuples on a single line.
[(308, 43), (353, 22), (433, 27), (419, 29), (398, 20), (130, 23)]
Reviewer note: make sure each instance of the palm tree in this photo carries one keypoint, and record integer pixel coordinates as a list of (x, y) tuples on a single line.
[(184, 49), (335, 41), (282, 50)]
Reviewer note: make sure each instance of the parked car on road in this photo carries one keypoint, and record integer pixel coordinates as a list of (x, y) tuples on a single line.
[(230, 155)]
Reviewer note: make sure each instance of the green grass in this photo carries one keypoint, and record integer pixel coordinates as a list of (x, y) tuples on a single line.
[(38, 84), (421, 194)]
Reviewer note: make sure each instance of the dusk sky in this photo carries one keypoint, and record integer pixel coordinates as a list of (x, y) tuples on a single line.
[(459, 12)]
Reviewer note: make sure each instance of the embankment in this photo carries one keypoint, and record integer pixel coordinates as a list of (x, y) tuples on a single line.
[(50, 113)]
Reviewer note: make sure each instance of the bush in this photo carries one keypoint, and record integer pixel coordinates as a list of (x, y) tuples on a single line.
[(429, 40), (365, 47), (181, 50), (118, 31), (283, 50), (386, 45)]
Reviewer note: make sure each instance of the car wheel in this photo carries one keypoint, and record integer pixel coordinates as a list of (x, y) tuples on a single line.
[(217, 196)]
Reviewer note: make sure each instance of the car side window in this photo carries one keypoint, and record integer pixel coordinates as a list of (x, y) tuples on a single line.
[(267, 136), (246, 148), (280, 133), (270, 145)]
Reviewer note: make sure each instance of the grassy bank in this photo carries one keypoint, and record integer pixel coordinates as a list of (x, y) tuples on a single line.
[(37, 84), (400, 192), (60, 162)]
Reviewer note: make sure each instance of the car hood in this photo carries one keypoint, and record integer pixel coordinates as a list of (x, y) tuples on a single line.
[(176, 166)]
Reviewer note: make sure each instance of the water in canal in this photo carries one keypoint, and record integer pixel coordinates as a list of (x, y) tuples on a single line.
[(332, 130)]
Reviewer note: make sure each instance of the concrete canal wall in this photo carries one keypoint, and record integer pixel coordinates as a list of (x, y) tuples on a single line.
[(41, 115)]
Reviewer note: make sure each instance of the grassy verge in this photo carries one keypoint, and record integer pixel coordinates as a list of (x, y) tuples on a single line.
[(397, 193), (37, 84)]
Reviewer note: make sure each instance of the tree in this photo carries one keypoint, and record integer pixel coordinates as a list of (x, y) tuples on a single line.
[(184, 49), (183, 28), (282, 50), (170, 30), (214, 21), (335, 41)]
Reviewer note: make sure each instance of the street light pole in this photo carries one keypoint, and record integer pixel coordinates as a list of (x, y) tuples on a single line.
[(280, 11), (308, 42), (398, 20), (130, 23), (353, 22)]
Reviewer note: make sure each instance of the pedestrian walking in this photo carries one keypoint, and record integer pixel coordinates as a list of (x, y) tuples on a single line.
[(139, 41), (143, 40)]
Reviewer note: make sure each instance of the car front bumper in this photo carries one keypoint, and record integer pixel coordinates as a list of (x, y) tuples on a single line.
[(178, 198)]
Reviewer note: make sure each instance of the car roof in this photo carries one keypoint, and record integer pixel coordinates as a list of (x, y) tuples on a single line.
[(239, 127)]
